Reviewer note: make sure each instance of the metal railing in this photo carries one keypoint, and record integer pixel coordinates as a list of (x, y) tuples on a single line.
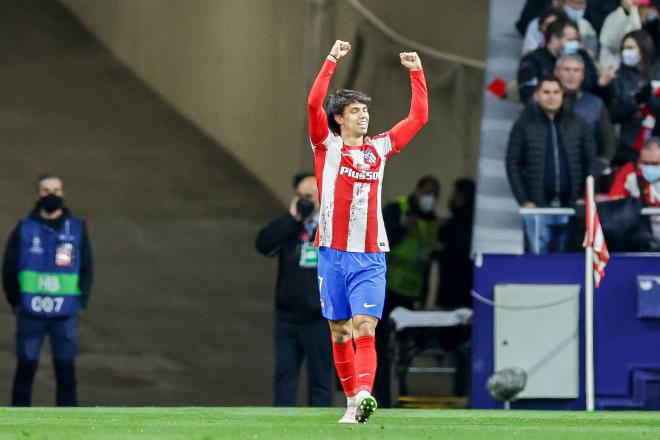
[(571, 211), (538, 213)]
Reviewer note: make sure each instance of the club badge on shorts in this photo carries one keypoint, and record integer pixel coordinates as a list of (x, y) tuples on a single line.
[(64, 255), (309, 255)]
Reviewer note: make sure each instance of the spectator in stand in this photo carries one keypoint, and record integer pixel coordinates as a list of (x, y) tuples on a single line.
[(644, 173), (531, 10), (623, 20), (648, 14), (598, 10), (300, 330), (579, 11), (549, 155), (570, 71), (534, 37), (634, 104), (562, 38), (574, 10)]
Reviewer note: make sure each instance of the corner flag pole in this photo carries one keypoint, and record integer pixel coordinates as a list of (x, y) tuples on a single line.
[(589, 307)]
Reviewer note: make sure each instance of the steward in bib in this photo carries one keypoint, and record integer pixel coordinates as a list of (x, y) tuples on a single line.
[(47, 277)]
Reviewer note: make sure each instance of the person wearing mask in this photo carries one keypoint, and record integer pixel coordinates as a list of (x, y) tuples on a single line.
[(593, 12), (412, 228), (47, 277), (455, 236), (623, 20), (300, 330), (634, 104), (562, 38), (641, 179), (570, 71), (575, 10), (535, 35), (648, 13), (549, 155), (456, 270)]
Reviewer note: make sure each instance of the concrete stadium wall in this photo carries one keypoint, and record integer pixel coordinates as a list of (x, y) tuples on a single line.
[(240, 70)]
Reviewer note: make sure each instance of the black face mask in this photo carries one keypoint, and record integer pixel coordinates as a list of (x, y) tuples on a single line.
[(50, 203), (305, 207)]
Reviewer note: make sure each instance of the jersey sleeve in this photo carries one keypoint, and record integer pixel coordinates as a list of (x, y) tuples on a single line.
[(318, 120), (418, 116)]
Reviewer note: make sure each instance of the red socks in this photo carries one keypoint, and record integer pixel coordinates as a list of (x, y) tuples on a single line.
[(344, 356), (356, 368), (365, 362)]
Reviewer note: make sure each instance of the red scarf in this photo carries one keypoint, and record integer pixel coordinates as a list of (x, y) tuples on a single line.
[(645, 128)]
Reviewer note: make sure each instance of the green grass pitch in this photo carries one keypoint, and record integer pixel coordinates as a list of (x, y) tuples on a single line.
[(319, 424)]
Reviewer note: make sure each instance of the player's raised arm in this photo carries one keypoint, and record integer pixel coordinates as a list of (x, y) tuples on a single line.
[(318, 120), (405, 130)]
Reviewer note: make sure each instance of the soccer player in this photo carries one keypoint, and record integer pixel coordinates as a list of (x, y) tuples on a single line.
[(351, 237)]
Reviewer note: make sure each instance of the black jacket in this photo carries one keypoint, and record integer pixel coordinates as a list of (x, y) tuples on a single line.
[(531, 10), (625, 109), (455, 235), (297, 297), (12, 252), (527, 148)]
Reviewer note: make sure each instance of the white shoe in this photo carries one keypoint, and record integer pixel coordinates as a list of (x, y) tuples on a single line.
[(349, 415), (366, 406)]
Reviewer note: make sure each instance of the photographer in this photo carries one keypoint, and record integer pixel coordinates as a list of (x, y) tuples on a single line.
[(300, 329)]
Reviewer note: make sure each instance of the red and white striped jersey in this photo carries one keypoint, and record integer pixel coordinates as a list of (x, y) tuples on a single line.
[(350, 178)]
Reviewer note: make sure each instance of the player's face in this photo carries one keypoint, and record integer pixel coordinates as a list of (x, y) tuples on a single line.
[(354, 120)]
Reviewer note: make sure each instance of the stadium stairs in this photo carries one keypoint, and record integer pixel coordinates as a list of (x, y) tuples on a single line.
[(497, 224)]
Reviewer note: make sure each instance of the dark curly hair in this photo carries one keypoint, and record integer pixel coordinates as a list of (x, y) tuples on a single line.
[(339, 101)]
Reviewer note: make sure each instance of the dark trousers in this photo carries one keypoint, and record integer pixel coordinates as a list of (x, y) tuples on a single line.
[(294, 342), (383, 384), (30, 333)]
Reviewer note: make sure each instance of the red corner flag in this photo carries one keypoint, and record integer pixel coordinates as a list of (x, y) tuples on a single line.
[(497, 87), (594, 237)]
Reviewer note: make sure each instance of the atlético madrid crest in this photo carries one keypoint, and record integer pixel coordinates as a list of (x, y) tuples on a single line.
[(370, 157), (363, 160)]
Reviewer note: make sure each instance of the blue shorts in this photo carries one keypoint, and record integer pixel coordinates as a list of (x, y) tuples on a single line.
[(351, 283)]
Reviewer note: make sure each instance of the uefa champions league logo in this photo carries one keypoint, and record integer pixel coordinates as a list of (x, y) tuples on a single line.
[(36, 246)]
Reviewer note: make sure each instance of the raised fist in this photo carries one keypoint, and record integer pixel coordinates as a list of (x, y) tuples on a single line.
[(340, 48), (410, 60)]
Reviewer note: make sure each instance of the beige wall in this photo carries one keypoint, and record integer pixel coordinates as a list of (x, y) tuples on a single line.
[(240, 70)]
